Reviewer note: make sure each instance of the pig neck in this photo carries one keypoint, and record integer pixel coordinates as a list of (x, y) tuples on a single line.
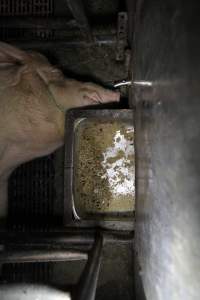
[(60, 115), (63, 96), (53, 100)]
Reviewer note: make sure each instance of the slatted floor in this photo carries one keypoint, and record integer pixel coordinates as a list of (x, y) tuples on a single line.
[(26, 7), (31, 195)]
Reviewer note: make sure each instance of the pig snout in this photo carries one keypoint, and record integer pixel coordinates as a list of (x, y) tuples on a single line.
[(94, 94), (74, 93), (110, 96)]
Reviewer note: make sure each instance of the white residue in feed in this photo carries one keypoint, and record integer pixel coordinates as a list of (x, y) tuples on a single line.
[(119, 170)]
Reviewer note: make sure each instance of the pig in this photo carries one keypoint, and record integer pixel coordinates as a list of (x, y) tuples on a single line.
[(34, 96)]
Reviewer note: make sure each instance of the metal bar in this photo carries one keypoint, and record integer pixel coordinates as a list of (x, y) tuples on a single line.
[(78, 12), (51, 23), (41, 256), (88, 281), (56, 30), (64, 36), (123, 83), (68, 238), (70, 42), (122, 36)]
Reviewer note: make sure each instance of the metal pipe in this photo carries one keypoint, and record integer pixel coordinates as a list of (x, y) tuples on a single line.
[(136, 83), (51, 23), (61, 32), (122, 83), (41, 256), (67, 238), (89, 278), (63, 41)]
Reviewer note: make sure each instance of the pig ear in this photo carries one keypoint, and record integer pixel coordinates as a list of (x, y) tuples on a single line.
[(11, 54), (11, 65)]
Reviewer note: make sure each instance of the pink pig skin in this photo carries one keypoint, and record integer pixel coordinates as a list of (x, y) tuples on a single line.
[(34, 96)]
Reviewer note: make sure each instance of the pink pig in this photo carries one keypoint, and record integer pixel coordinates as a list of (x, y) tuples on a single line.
[(34, 96)]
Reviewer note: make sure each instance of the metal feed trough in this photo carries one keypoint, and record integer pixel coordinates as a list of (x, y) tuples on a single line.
[(72, 217)]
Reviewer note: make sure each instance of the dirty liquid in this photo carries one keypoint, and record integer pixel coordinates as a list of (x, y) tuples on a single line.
[(104, 174)]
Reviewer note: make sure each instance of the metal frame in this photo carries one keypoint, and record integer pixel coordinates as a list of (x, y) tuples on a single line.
[(119, 221), (122, 35), (41, 256), (67, 237), (86, 288)]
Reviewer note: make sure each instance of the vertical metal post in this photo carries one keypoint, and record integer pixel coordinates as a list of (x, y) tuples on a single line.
[(89, 278)]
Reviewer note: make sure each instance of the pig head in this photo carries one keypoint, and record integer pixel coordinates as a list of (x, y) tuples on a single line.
[(34, 96)]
